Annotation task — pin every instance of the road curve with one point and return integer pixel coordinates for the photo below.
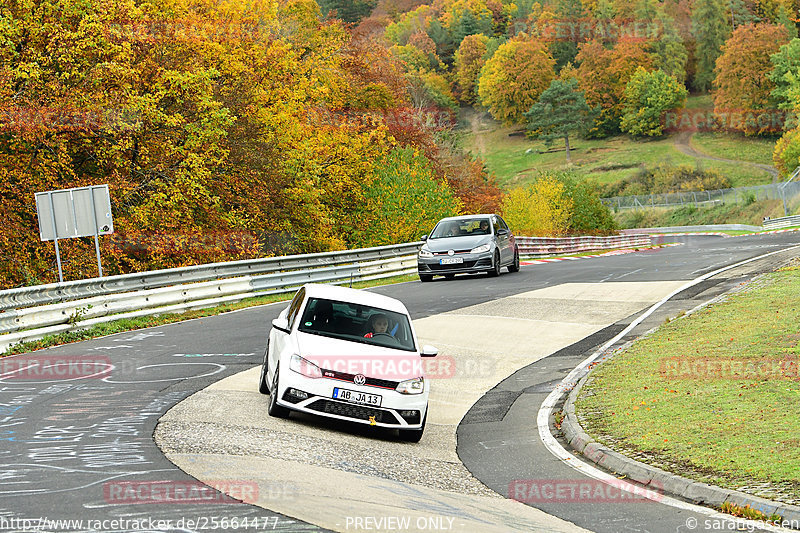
(69, 443)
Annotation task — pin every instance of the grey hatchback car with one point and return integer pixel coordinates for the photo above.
(473, 243)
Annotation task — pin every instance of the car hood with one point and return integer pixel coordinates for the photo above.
(465, 242)
(357, 358)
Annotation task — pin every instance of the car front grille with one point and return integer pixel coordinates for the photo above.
(455, 251)
(371, 382)
(465, 264)
(357, 412)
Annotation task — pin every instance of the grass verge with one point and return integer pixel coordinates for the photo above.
(692, 215)
(713, 396)
(517, 160)
(128, 324)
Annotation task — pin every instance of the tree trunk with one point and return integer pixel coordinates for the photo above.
(566, 144)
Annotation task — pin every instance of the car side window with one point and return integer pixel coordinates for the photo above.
(294, 307)
(502, 223)
(495, 225)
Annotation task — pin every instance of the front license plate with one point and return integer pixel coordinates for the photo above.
(451, 260)
(360, 398)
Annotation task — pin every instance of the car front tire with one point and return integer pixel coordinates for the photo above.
(263, 387)
(495, 271)
(424, 278)
(274, 409)
(514, 267)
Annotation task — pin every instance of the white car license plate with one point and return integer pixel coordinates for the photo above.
(361, 398)
(451, 260)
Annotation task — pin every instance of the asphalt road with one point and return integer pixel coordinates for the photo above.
(81, 447)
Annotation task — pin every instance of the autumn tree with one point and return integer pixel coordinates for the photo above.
(743, 81)
(787, 150)
(669, 49)
(470, 58)
(512, 80)
(351, 11)
(785, 64)
(542, 208)
(711, 29)
(252, 119)
(648, 96)
(560, 111)
(404, 199)
(603, 75)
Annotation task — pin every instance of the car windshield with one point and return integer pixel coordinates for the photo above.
(357, 323)
(461, 227)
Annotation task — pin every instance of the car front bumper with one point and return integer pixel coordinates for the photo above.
(471, 263)
(320, 401)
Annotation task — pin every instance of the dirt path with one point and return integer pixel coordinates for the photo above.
(478, 128)
(683, 145)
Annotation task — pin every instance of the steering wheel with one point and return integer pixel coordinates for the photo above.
(382, 333)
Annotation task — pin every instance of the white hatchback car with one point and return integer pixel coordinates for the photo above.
(347, 354)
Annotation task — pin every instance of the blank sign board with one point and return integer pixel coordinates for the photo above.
(79, 212)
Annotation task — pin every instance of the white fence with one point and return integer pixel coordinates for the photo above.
(540, 246)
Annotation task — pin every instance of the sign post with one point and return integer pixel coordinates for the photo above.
(78, 212)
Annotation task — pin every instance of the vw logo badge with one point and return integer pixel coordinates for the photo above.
(450, 252)
(359, 379)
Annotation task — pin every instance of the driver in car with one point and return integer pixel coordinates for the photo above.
(378, 324)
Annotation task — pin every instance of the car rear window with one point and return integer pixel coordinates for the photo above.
(356, 323)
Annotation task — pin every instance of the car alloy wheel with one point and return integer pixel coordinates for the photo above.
(514, 267)
(274, 409)
(495, 271)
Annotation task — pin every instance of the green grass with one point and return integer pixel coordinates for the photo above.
(734, 146)
(517, 160)
(128, 324)
(752, 214)
(664, 401)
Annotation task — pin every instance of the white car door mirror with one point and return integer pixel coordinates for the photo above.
(429, 351)
(281, 323)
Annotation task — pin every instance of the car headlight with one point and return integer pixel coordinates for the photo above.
(304, 367)
(424, 252)
(411, 386)
(482, 248)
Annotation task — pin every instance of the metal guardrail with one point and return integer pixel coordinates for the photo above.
(29, 313)
(782, 222)
(72, 290)
(538, 246)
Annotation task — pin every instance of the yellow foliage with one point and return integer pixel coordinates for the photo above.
(540, 209)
